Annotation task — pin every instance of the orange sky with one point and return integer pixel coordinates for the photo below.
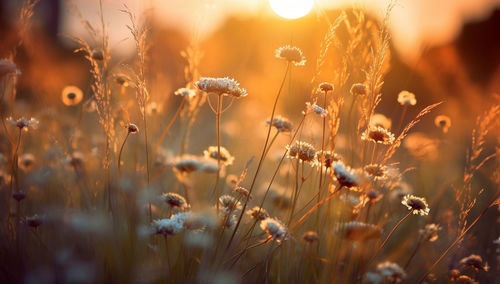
(414, 23)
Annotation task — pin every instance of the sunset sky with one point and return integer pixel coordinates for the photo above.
(415, 23)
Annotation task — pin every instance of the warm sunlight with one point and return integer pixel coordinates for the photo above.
(291, 9)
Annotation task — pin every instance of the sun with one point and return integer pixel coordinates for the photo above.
(291, 9)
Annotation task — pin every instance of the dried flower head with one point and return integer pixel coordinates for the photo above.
(213, 153)
(310, 237)
(243, 192)
(185, 92)
(35, 221)
(417, 205)
(18, 196)
(257, 213)
(132, 128)
(429, 232)
(71, 95)
(326, 87)
(175, 200)
(376, 171)
(229, 203)
(316, 109)
(291, 54)
(359, 89)
(474, 262)
(443, 122)
(167, 227)
(358, 231)
(303, 151)
(27, 161)
(373, 196)
(8, 67)
(380, 120)
(221, 86)
(346, 176)
(406, 98)
(464, 279)
(275, 229)
(391, 271)
(227, 220)
(328, 158)
(23, 123)
(122, 80)
(189, 163)
(378, 135)
(281, 124)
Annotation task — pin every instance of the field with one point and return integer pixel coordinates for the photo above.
(276, 151)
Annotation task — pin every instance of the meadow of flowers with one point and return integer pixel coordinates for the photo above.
(106, 185)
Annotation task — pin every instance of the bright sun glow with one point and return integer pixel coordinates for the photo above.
(291, 9)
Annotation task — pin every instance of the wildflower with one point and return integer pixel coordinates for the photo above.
(190, 163)
(373, 196)
(221, 86)
(376, 171)
(317, 109)
(27, 161)
(391, 271)
(34, 221)
(8, 67)
(132, 128)
(18, 196)
(429, 232)
(310, 236)
(443, 122)
(258, 213)
(303, 151)
(122, 80)
(71, 95)
(199, 222)
(167, 227)
(406, 98)
(345, 175)
(275, 229)
(291, 54)
(213, 153)
(381, 120)
(185, 92)
(358, 231)
(378, 135)
(359, 89)
(175, 200)
(326, 87)
(417, 205)
(475, 262)
(23, 123)
(226, 219)
(229, 203)
(328, 158)
(281, 124)
(243, 192)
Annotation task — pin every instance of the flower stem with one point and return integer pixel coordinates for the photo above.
(120, 155)
(261, 157)
(217, 181)
(388, 236)
(167, 128)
